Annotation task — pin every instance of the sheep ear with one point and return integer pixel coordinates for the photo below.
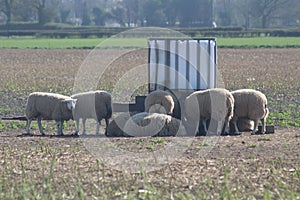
(67, 101)
(70, 100)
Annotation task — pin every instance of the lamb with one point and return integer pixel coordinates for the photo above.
(153, 124)
(251, 104)
(159, 102)
(48, 106)
(215, 105)
(94, 104)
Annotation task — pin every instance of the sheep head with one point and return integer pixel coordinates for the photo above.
(70, 103)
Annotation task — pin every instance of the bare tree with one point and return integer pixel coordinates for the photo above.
(242, 8)
(265, 10)
(222, 12)
(290, 15)
(119, 13)
(6, 7)
(46, 9)
(132, 11)
(40, 5)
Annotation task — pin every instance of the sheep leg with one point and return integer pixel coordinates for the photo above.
(197, 130)
(98, 127)
(255, 127)
(204, 125)
(77, 127)
(263, 126)
(236, 130)
(106, 125)
(39, 121)
(28, 126)
(83, 126)
(225, 128)
(220, 126)
(59, 128)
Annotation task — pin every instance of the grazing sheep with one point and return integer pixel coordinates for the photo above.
(215, 105)
(153, 124)
(95, 105)
(159, 102)
(251, 104)
(116, 126)
(145, 124)
(49, 106)
(243, 124)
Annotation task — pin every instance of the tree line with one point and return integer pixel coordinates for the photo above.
(163, 13)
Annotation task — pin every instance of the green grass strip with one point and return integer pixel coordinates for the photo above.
(70, 43)
(90, 43)
(259, 42)
(47, 43)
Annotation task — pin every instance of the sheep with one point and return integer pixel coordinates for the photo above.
(251, 104)
(243, 124)
(145, 124)
(48, 106)
(116, 126)
(215, 105)
(93, 104)
(159, 101)
(153, 124)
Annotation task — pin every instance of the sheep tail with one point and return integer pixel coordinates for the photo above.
(266, 112)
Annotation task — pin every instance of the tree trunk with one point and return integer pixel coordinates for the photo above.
(8, 4)
(41, 17)
(41, 12)
(264, 21)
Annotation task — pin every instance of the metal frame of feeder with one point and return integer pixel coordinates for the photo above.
(167, 52)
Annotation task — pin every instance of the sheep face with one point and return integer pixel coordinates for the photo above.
(70, 103)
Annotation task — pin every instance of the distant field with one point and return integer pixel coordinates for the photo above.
(90, 43)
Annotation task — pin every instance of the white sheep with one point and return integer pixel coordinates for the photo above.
(116, 126)
(159, 101)
(251, 104)
(215, 105)
(243, 124)
(48, 106)
(153, 124)
(92, 105)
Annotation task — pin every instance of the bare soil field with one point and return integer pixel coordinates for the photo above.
(227, 167)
